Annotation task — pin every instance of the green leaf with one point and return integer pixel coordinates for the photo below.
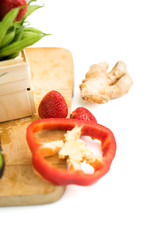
(1, 164)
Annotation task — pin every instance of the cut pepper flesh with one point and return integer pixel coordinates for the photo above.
(73, 175)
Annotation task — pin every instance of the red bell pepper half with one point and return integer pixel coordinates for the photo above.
(69, 176)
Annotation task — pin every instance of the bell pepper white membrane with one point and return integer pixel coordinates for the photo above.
(54, 146)
(76, 150)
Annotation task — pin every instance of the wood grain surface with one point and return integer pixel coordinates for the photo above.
(51, 69)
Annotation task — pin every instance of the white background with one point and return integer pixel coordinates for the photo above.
(125, 203)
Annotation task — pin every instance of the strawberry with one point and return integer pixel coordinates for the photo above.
(82, 113)
(53, 105)
(7, 5)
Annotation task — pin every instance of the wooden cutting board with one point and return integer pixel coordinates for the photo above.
(51, 68)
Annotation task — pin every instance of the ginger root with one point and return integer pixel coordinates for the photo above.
(100, 86)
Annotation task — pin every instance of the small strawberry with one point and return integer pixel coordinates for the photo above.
(7, 5)
(53, 105)
(82, 113)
